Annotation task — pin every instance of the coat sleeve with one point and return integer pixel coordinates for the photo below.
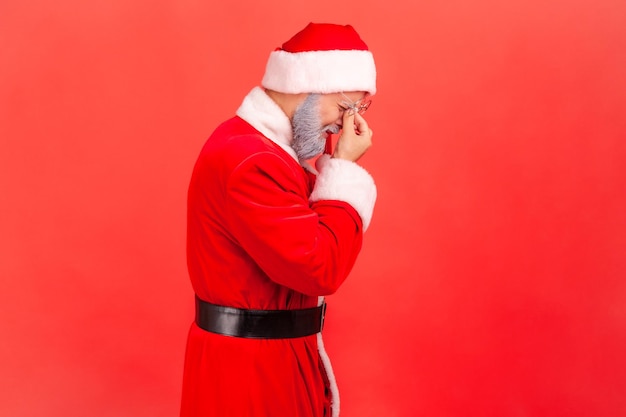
(307, 246)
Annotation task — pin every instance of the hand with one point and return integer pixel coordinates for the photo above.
(355, 139)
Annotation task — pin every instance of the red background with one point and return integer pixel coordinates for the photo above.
(491, 282)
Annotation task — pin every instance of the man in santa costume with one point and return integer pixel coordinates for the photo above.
(269, 235)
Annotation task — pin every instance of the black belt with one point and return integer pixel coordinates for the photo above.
(259, 324)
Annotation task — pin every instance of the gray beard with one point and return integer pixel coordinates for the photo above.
(309, 136)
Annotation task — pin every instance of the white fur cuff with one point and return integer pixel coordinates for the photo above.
(343, 180)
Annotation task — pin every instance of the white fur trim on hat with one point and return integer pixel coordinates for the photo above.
(321, 72)
(343, 180)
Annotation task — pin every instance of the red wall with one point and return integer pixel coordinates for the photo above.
(491, 282)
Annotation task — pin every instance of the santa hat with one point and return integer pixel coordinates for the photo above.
(322, 58)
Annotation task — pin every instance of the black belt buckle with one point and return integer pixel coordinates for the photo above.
(323, 315)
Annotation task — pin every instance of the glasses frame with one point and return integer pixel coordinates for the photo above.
(359, 106)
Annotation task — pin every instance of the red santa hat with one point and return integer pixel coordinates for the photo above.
(322, 58)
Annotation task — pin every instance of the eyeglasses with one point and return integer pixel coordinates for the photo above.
(358, 106)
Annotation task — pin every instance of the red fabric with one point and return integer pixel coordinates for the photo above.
(254, 241)
(325, 37)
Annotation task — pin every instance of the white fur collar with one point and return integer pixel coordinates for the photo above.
(267, 117)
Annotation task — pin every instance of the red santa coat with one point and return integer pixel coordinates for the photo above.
(263, 233)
